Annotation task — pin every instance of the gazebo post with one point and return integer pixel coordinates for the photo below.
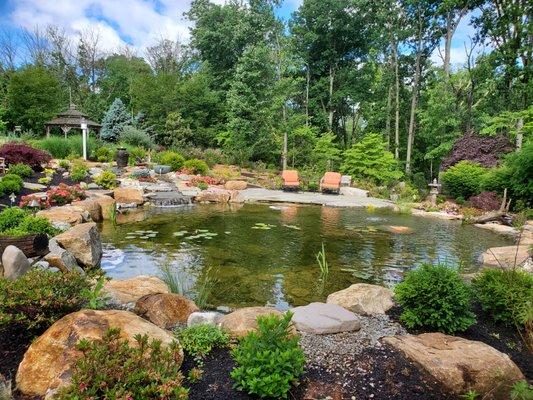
(47, 131)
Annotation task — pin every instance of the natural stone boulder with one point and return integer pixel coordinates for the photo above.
(242, 321)
(235, 185)
(460, 364)
(125, 195)
(498, 228)
(14, 262)
(107, 205)
(92, 207)
(165, 310)
(61, 259)
(321, 318)
(48, 362)
(398, 229)
(83, 242)
(213, 195)
(526, 237)
(505, 256)
(363, 298)
(205, 317)
(68, 214)
(124, 291)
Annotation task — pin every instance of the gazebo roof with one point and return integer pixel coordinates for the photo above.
(72, 118)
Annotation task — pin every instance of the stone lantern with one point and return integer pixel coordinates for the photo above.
(434, 191)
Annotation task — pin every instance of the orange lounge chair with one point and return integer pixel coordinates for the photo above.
(331, 182)
(290, 180)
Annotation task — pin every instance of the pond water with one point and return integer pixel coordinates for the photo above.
(260, 254)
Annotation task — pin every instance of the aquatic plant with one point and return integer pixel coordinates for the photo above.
(204, 289)
(175, 281)
(322, 262)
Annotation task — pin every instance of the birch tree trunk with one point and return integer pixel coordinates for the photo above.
(414, 102)
(331, 79)
(396, 102)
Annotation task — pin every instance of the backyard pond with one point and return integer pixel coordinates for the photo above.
(256, 254)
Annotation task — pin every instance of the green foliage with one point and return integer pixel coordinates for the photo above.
(322, 262)
(10, 218)
(96, 298)
(111, 368)
(177, 131)
(176, 282)
(107, 180)
(326, 154)
(104, 154)
(508, 122)
(40, 297)
(434, 297)
(175, 160)
(268, 361)
(301, 144)
(57, 146)
(505, 294)
(22, 170)
(199, 340)
(79, 171)
(522, 390)
(136, 137)
(464, 179)
(115, 121)
(10, 183)
(202, 186)
(369, 159)
(196, 166)
(137, 154)
(15, 221)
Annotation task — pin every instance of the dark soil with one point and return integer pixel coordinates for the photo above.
(503, 338)
(374, 374)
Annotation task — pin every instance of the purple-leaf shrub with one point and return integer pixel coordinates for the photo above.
(23, 153)
(486, 201)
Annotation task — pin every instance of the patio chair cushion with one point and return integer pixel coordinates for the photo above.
(290, 177)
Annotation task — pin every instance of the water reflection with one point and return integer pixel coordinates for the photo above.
(275, 263)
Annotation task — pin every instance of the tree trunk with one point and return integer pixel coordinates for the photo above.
(448, 44)
(307, 83)
(396, 103)
(519, 134)
(330, 116)
(388, 121)
(414, 102)
(285, 141)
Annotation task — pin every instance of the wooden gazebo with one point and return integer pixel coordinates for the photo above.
(70, 119)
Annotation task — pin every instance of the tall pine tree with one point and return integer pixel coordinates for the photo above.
(115, 120)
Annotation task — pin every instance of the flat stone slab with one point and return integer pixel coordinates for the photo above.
(499, 228)
(506, 256)
(33, 186)
(322, 318)
(436, 214)
(279, 196)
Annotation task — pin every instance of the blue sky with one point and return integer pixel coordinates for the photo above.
(137, 23)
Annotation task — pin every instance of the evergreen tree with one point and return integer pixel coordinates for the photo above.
(115, 120)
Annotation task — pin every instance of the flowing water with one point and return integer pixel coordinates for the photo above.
(260, 254)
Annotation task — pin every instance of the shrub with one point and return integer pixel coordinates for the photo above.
(136, 137)
(111, 368)
(270, 360)
(58, 147)
(22, 153)
(40, 297)
(64, 164)
(10, 183)
(202, 186)
(104, 154)
(64, 194)
(521, 390)
(199, 340)
(137, 154)
(214, 156)
(22, 170)
(434, 297)
(79, 171)
(10, 218)
(175, 160)
(107, 180)
(32, 224)
(486, 201)
(195, 166)
(463, 179)
(369, 159)
(505, 294)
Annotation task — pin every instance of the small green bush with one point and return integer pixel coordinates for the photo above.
(434, 297)
(175, 160)
(22, 170)
(31, 224)
(111, 368)
(104, 154)
(65, 164)
(136, 137)
(137, 155)
(10, 218)
(199, 340)
(202, 186)
(107, 180)
(196, 166)
(79, 171)
(505, 294)
(268, 361)
(39, 298)
(10, 183)
(465, 179)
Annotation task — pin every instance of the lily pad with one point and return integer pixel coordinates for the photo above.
(292, 227)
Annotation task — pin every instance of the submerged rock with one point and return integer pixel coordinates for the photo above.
(363, 298)
(321, 318)
(48, 362)
(165, 310)
(460, 364)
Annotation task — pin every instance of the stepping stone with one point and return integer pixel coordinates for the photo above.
(33, 186)
(322, 318)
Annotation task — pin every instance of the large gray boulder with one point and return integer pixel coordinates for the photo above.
(83, 242)
(322, 318)
(61, 259)
(15, 263)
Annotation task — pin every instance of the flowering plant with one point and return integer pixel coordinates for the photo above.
(26, 200)
(195, 180)
(64, 194)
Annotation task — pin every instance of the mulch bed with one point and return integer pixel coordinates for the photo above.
(374, 374)
(501, 337)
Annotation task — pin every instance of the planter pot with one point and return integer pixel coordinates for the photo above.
(162, 169)
(31, 245)
(122, 157)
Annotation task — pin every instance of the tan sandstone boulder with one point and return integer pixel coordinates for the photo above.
(213, 195)
(107, 205)
(244, 320)
(526, 237)
(124, 291)
(363, 298)
(460, 364)
(83, 242)
(48, 361)
(165, 310)
(127, 195)
(506, 256)
(68, 214)
(235, 185)
(92, 207)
